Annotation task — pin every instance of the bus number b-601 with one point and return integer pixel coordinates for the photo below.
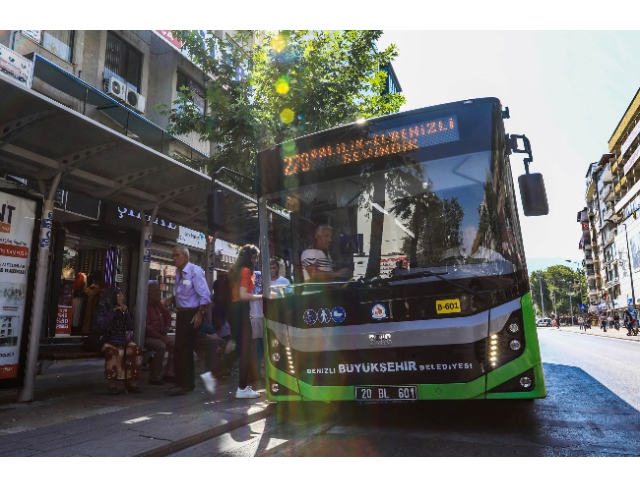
(448, 306)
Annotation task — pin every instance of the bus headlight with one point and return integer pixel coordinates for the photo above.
(275, 357)
(275, 343)
(275, 387)
(515, 345)
(513, 328)
(525, 382)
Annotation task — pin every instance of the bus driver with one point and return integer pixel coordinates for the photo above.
(316, 262)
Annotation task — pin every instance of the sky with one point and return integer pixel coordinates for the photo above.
(566, 90)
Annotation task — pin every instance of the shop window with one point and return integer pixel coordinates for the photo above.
(197, 93)
(123, 61)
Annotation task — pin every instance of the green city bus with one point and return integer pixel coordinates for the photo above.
(401, 242)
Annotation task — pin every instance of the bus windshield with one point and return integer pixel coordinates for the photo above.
(395, 217)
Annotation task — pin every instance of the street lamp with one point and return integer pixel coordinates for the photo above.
(579, 273)
(541, 297)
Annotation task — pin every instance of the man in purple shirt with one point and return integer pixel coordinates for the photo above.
(191, 300)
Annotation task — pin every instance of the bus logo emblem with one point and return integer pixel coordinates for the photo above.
(378, 311)
(338, 314)
(310, 317)
(380, 339)
(324, 315)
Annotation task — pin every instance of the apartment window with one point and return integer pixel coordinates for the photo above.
(59, 42)
(123, 62)
(198, 93)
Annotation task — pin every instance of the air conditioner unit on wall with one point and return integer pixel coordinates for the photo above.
(115, 88)
(135, 100)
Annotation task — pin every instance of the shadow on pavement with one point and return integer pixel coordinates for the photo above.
(579, 417)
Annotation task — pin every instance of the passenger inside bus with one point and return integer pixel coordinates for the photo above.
(316, 261)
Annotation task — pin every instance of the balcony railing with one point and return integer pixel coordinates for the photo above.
(605, 191)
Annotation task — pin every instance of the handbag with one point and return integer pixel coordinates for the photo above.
(94, 341)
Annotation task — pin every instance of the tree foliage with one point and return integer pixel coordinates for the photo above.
(557, 282)
(294, 83)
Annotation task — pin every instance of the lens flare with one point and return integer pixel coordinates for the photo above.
(289, 148)
(287, 116)
(278, 43)
(282, 85)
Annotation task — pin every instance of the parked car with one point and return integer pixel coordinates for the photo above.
(543, 322)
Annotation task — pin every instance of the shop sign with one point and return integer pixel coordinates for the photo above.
(634, 205)
(64, 320)
(16, 67)
(128, 213)
(17, 222)
(127, 217)
(192, 238)
(34, 35)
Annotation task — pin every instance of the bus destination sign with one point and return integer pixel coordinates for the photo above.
(388, 142)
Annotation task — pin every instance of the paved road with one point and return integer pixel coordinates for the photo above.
(591, 410)
(614, 363)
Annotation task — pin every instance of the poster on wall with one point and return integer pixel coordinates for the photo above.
(17, 225)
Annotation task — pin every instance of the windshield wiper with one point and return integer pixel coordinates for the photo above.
(403, 277)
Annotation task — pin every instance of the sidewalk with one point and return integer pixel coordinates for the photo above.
(620, 334)
(72, 415)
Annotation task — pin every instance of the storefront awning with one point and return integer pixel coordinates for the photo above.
(39, 137)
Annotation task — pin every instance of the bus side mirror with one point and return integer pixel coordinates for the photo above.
(216, 211)
(533, 194)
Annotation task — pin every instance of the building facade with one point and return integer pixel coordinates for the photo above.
(613, 201)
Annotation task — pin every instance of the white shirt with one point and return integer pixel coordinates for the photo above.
(280, 284)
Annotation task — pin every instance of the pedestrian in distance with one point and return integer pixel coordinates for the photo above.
(580, 322)
(242, 284)
(191, 301)
(630, 322)
(114, 322)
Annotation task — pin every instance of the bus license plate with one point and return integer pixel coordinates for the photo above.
(448, 306)
(387, 393)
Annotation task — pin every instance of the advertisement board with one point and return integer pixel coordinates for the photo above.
(17, 266)
(15, 67)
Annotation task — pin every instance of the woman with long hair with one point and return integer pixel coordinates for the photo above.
(242, 284)
(113, 321)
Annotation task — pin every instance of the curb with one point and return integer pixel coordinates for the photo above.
(191, 440)
(603, 336)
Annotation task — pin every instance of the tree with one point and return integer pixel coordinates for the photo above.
(559, 281)
(295, 83)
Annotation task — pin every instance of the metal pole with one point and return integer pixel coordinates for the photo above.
(571, 308)
(146, 237)
(42, 264)
(541, 297)
(626, 238)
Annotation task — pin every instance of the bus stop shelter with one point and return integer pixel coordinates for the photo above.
(45, 141)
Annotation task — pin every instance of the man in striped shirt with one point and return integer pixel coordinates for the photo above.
(316, 262)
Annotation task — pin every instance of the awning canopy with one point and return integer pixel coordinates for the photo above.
(39, 137)
(151, 134)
